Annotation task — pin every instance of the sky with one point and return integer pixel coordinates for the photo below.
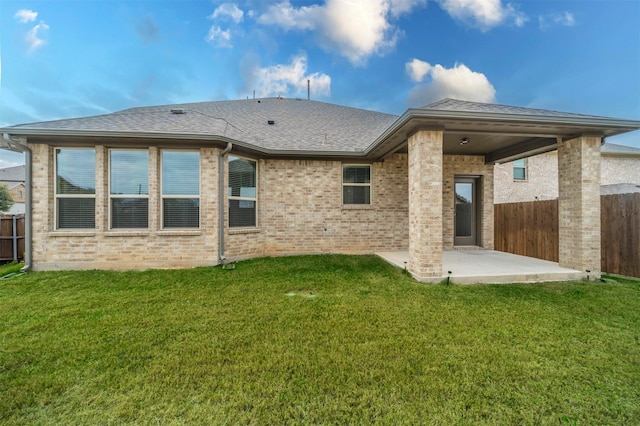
(74, 58)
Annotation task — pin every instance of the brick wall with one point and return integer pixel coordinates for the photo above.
(122, 249)
(579, 204)
(300, 211)
(542, 179)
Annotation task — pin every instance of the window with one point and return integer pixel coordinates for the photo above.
(520, 169)
(180, 189)
(243, 176)
(356, 184)
(19, 194)
(129, 188)
(75, 189)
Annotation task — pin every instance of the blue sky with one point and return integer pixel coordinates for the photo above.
(62, 59)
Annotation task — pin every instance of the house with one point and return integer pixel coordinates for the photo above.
(205, 183)
(13, 177)
(536, 177)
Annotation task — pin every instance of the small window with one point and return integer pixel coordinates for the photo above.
(356, 184)
(180, 189)
(520, 169)
(243, 194)
(19, 194)
(75, 188)
(129, 188)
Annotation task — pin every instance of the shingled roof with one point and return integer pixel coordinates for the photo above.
(269, 123)
(293, 127)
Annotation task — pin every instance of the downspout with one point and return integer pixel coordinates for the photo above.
(221, 198)
(18, 146)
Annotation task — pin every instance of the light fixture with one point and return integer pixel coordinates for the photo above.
(464, 141)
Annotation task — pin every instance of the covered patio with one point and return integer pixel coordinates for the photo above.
(489, 266)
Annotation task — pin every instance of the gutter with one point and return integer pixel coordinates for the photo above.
(19, 146)
(221, 197)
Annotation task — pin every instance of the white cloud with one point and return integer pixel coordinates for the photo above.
(33, 36)
(484, 14)
(458, 82)
(219, 37)
(228, 10)
(290, 79)
(25, 15)
(353, 29)
(565, 19)
(417, 69)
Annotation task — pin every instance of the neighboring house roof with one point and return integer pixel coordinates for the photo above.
(13, 174)
(615, 149)
(619, 188)
(291, 127)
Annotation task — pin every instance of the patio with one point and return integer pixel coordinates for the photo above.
(490, 266)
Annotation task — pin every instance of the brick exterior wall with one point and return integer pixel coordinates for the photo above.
(425, 204)
(460, 165)
(122, 249)
(542, 179)
(579, 204)
(300, 211)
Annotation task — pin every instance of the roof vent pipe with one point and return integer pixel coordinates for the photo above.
(308, 89)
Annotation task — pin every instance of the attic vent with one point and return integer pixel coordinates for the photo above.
(271, 122)
(177, 111)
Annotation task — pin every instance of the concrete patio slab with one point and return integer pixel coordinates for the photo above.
(490, 266)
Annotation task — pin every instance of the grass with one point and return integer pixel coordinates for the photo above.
(314, 339)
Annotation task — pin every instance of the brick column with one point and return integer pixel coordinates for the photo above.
(425, 205)
(579, 204)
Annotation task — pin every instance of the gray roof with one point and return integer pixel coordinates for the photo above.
(615, 149)
(619, 188)
(479, 107)
(279, 126)
(297, 124)
(12, 174)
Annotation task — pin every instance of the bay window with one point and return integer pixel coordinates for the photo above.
(243, 197)
(129, 188)
(75, 188)
(180, 189)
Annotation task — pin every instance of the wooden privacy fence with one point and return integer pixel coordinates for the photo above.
(620, 227)
(11, 238)
(531, 229)
(528, 229)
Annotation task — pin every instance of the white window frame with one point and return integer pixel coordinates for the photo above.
(188, 197)
(240, 198)
(357, 184)
(112, 196)
(523, 167)
(57, 196)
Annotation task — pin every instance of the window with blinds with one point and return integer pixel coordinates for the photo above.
(75, 188)
(520, 169)
(129, 188)
(356, 184)
(243, 197)
(180, 189)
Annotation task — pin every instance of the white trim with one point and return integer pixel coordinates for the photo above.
(187, 196)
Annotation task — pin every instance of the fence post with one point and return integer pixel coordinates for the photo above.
(15, 238)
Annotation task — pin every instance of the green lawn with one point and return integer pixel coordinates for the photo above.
(314, 339)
